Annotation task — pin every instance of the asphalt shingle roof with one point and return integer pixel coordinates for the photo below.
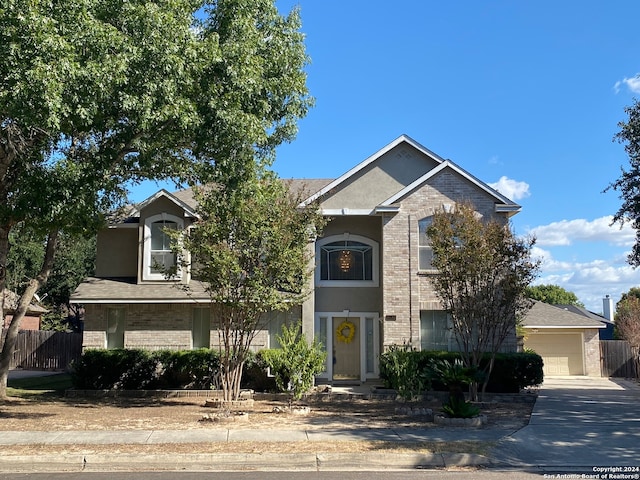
(543, 315)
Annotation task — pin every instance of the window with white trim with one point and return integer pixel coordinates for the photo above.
(347, 260)
(159, 259)
(424, 245)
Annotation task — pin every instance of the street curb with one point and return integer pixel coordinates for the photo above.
(229, 462)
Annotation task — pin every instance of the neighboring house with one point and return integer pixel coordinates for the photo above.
(568, 342)
(373, 265)
(605, 333)
(31, 321)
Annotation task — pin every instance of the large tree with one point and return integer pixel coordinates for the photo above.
(553, 295)
(251, 248)
(483, 273)
(96, 95)
(628, 184)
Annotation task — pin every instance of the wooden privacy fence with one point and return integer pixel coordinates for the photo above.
(618, 359)
(40, 350)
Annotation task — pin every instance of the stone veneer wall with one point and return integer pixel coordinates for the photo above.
(406, 289)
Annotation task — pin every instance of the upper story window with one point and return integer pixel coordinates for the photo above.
(159, 259)
(424, 245)
(347, 260)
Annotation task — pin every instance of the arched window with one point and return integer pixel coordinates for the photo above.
(158, 258)
(348, 260)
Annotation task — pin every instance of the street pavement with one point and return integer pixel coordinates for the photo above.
(578, 423)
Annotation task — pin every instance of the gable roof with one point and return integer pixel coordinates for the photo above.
(542, 316)
(189, 210)
(507, 205)
(503, 204)
(365, 163)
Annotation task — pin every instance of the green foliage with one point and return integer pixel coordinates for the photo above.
(139, 369)
(98, 95)
(24, 259)
(453, 373)
(627, 322)
(457, 408)
(628, 184)
(553, 295)
(250, 247)
(191, 369)
(296, 363)
(114, 369)
(402, 370)
(511, 372)
(483, 273)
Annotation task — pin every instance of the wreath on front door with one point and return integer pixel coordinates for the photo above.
(345, 332)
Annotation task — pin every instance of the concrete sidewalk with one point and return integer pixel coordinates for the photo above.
(319, 461)
(155, 437)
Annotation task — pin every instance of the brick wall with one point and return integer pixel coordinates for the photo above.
(592, 353)
(148, 326)
(152, 327)
(406, 290)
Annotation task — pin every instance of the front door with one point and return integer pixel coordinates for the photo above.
(346, 348)
(352, 345)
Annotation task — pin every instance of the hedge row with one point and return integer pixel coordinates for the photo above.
(132, 369)
(199, 369)
(511, 371)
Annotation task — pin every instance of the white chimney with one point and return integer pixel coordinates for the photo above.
(607, 307)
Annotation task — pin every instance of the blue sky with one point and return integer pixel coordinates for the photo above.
(524, 95)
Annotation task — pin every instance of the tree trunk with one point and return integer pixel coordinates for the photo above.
(473, 391)
(23, 305)
(4, 254)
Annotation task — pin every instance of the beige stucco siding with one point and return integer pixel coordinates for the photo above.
(118, 252)
(356, 299)
(161, 205)
(380, 180)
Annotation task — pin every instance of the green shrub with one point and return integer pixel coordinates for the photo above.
(256, 376)
(296, 363)
(456, 408)
(190, 369)
(109, 369)
(403, 370)
(134, 369)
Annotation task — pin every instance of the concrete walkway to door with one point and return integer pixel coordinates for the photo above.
(578, 423)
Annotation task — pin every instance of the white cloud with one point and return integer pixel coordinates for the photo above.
(632, 84)
(566, 232)
(511, 188)
(590, 280)
(606, 272)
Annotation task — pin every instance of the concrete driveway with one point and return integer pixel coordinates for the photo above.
(578, 423)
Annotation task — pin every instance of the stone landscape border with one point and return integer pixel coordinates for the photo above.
(328, 396)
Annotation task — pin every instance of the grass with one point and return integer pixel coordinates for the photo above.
(47, 386)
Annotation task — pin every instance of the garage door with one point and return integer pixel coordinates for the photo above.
(561, 353)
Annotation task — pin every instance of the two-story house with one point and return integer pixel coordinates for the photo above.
(373, 265)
